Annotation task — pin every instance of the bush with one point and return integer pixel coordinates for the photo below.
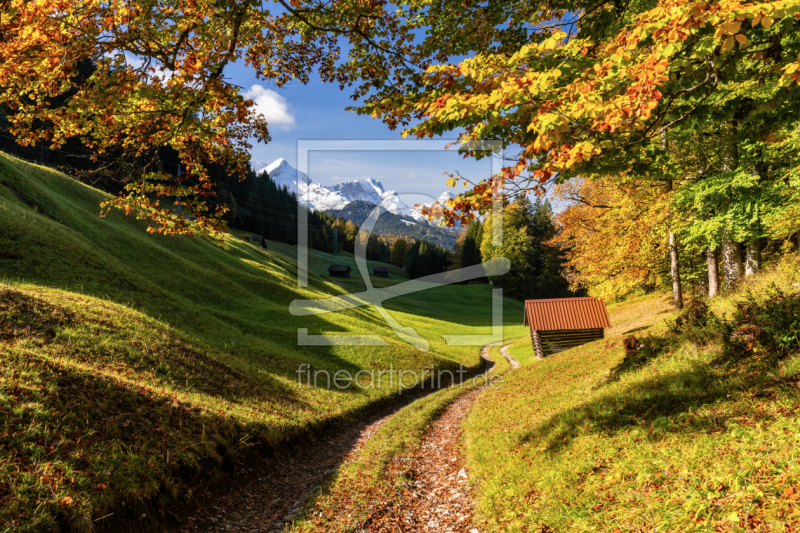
(768, 328)
(695, 315)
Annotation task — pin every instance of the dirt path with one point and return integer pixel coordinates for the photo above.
(433, 495)
(513, 362)
(265, 496)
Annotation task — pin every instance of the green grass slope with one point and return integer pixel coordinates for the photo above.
(133, 365)
(695, 431)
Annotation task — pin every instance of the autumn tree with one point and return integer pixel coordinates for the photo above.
(348, 232)
(158, 80)
(614, 238)
(593, 88)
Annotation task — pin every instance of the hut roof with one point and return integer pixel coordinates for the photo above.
(566, 313)
(380, 269)
(339, 268)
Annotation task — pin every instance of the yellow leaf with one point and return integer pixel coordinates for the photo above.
(767, 21)
(727, 46)
(731, 27)
(741, 39)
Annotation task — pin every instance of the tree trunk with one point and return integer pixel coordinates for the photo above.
(752, 261)
(729, 158)
(731, 261)
(677, 295)
(713, 272)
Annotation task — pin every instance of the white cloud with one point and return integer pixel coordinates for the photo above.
(272, 105)
(137, 62)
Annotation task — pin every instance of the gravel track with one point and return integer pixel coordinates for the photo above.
(264, 496)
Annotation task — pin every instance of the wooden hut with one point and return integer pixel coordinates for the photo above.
(381, 272)
(339, 271)
(563, 323)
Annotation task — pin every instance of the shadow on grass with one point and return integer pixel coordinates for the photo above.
(638, 353)
(659, 405)
(82, 443)
(96, 337)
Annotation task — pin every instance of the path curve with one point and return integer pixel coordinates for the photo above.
(264, 496)
(504, 352)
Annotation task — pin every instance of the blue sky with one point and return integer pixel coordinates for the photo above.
(317, 112)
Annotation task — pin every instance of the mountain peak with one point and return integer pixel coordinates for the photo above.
(327, 198)
(375, 183)
(279, 164)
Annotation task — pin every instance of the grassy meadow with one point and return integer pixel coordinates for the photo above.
(694, 431)
(134, 367)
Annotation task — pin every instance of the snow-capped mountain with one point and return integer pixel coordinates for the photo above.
(324, 198)
(258, 166)
(281, 173)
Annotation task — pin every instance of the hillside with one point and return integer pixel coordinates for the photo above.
(397, 225)
(694, 429)
(135, 366)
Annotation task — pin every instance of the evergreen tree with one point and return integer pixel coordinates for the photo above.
(534, 270)
(399, 252)
(471, 249)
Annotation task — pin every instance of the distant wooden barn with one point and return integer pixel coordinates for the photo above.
(340, 271)
(381, 272)
(563, 323)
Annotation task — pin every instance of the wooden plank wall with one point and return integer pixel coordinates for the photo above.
(537, 344)
(549, 342)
